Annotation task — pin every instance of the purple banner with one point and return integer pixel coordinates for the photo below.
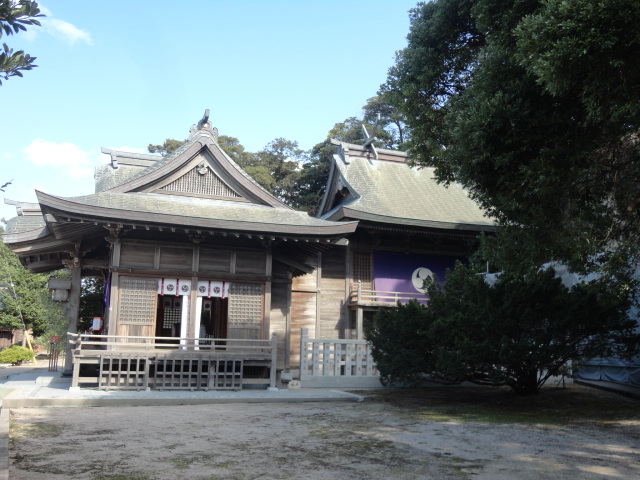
(399, 272)
(106, 295)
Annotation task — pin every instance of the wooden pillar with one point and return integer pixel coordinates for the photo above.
(114, 301)
(274, 361)
(348, 282)
(73, 310)
(359, 324)
(318, 273)
(195, 303)
(287, 335)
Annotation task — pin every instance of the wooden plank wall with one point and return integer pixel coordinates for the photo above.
(137, 256)
(166, 257)
(281, 311)
(333, 283)
(304, 294)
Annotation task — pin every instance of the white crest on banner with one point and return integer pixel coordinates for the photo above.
(213, 288)
(184, 286)
(418, 278)
(174, 286)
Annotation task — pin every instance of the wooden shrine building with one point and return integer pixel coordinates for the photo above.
(212, 282)
(193, 249)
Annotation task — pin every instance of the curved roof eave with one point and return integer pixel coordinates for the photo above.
(345, 212)
(104, 214)
(28, 236)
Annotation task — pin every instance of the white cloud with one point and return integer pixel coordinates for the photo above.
(30, 35)
(67, 157)
(54, 154)
(44, 10)
(67, 31)
(131, 149)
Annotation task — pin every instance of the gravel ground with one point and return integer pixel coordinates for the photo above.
(369, 440)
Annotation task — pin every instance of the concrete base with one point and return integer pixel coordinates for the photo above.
(320, 381)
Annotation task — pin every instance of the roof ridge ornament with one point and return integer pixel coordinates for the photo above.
(343, 151)
(205, 126)
(204, 121)
(368, 143)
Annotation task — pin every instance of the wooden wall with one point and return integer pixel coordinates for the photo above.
(332, 294)
(318, 299)
(315, 301)
(280, 321)
(167, 257)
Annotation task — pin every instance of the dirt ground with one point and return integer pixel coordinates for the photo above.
(381, 438)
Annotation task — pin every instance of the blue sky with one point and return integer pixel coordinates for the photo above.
(123, 74)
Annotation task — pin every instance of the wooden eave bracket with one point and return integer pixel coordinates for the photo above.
(292, 263)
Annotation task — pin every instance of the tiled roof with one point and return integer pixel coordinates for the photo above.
(107, 177)
(187, 211)
(24, 223)
(406, 195)
(162, 160)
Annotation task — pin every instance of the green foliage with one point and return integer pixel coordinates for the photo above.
(400, 343)
(311, 180)
(275, 167)
(587, 47)
(169, 146)
(15, 354)
(24, 297)
(15, 16)
(232, 147)
(91, 301)
(517, 332)
(392, 130)
(533, 106)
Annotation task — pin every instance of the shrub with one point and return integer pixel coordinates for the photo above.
(517, 332)
(15, 354)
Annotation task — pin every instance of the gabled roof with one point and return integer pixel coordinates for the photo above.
(389, 191)
(196, 190)
(198, 168)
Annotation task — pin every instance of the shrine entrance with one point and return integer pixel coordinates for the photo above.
(172, 317)
(213, 318)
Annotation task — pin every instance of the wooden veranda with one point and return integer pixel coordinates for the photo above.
(170, 363)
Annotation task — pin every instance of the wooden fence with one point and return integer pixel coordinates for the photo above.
(361, 296)
(336, 363)
(170, 363)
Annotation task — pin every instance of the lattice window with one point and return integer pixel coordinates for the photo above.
(245, 310)
(138, 297)
(171, 317)
(362, 269)
(207, 183)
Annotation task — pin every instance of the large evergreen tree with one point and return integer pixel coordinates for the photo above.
(534, 106)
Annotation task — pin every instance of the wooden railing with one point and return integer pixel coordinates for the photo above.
(360, 296)
(336, 363)
(136, 362)
(84, 343)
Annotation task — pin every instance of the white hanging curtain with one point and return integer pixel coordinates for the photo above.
(213, 288)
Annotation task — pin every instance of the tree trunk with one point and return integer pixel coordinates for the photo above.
(526, 383)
